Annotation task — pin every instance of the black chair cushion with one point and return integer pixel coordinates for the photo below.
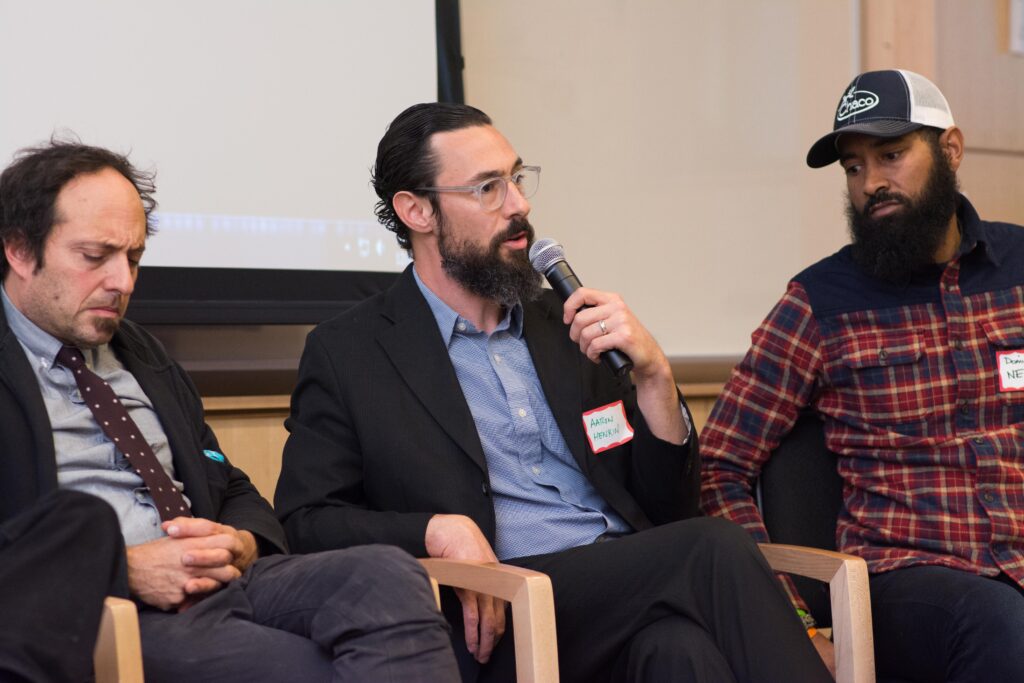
(801, 496)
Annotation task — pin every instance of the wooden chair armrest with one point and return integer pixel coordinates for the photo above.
(117, 657)
(847, 577)
(533, 609)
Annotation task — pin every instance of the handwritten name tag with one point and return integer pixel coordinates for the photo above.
(1011, 370)
(607, 427)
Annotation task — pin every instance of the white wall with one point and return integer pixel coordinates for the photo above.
(672, 134)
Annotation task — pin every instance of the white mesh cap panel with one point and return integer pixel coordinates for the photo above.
(928, 106)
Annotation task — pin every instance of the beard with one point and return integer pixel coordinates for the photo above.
(892, 248)
(483, 270)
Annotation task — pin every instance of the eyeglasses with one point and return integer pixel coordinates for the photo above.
(491, 193)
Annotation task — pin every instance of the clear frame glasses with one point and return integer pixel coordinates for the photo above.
(491, 193)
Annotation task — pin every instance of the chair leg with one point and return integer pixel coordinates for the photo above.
(118, 654)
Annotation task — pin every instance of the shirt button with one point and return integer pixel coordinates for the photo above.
(989, 498)
(497, 358)
(979, 439)
(958, 344)
(883, 354)
(461, 327)
(536, 470)
(522, 412)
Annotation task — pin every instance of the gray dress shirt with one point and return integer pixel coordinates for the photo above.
(87, 460)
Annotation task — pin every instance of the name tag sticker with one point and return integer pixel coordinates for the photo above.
(607, 427)
(1011, 370)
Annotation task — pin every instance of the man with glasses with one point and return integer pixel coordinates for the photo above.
(460, 414)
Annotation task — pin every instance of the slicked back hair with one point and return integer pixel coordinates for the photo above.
(405, 160)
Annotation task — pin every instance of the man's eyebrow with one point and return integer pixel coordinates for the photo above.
(104, 246)
(487, 175)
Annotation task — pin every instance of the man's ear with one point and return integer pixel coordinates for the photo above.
(20, 257)
(951, 142)
(415, 211)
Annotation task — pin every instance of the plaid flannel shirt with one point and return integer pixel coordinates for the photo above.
(907, 380)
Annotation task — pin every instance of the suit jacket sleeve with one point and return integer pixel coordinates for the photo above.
(666, 477)
(321, 495)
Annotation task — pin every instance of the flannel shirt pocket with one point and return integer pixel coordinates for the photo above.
(877, 372)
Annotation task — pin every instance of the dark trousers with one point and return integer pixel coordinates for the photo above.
(940, 624)
(58, 560)
(689, 601)
(361, 614)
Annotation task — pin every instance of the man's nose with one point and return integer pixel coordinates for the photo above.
(874, 179)
(515, 203)
(121, 275)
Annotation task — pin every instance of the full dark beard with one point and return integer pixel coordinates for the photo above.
(483, 271)
(892, 248)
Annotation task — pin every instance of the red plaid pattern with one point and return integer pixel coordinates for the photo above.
(933, 451)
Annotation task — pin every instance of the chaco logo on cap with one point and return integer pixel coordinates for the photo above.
(856, 102)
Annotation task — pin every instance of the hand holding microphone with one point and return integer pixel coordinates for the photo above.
(548, 259)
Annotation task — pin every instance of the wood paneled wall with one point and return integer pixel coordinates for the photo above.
(252, 434)
(964, 48)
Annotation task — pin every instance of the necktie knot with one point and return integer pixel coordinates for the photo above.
(70, 357)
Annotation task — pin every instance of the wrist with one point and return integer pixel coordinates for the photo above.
(656, 372)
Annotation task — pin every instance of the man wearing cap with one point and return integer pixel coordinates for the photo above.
(909, 345)
(464, 413)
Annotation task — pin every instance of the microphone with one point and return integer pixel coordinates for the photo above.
(548, 258)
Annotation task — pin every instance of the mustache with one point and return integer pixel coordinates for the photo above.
(515, 227)
(884, 196)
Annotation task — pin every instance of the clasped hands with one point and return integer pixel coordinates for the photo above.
(196, 558)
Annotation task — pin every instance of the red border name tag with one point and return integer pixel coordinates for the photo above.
(1010, 365)
(607, 427)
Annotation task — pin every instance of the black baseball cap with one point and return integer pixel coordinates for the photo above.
(886, 104)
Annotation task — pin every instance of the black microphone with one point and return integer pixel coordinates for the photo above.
(548, 259)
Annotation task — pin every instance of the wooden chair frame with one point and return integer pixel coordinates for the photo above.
(118, 654)
(117, 657)
(850, 598)
(533, 609)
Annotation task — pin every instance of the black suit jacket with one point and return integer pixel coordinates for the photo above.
(28, 469)
(382, 438)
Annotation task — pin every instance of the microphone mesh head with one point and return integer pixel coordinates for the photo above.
(545, 253)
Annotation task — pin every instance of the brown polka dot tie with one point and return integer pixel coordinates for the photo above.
(120, 428)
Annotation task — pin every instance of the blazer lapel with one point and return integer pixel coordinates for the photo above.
(153, 376)
(556, 359)
(415, 347)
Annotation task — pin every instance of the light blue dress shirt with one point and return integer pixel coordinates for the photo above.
(86, 459)
(542, 501)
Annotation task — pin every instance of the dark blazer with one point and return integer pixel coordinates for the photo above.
(28, 470)
(382, 437)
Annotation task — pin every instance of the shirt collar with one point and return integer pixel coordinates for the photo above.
(39, 343)
(449, 322)
(973, 238)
